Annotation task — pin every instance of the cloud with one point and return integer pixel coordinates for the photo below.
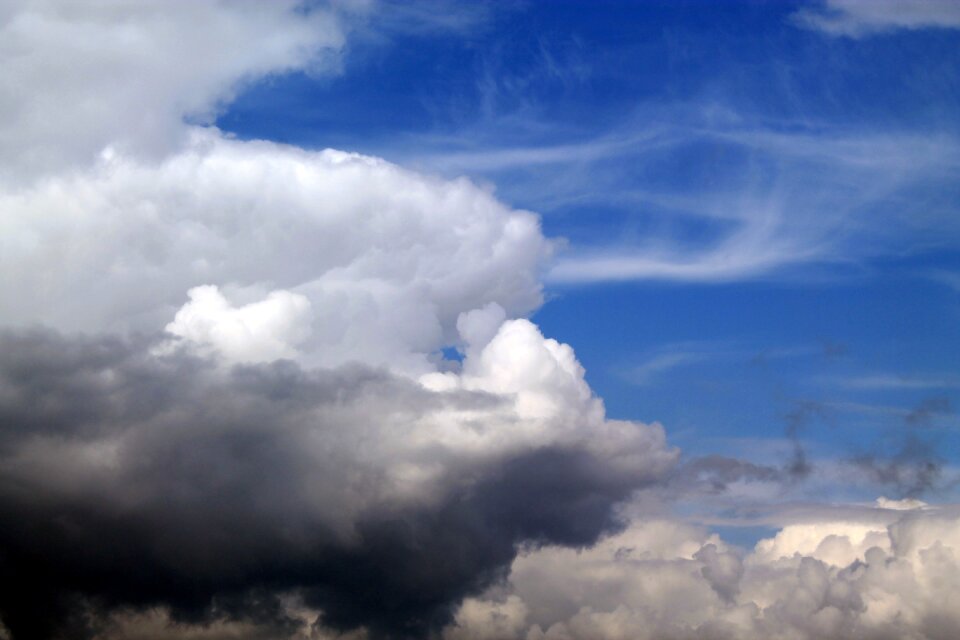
(257, 332)
(386, 258)
(797, 419)
(880, 573)
(256, 420)
(386, 18)
(788, 196)
(740, 258)
(912, 470)
(713, 474)
(914, 465)
(859, 18)
(927, 410)
(644, 373)
(885, 381)
(131, 480)
(668, 357)
(128, 74)
(945, 277)
(113, 215)
(767, 221)
(224, 409)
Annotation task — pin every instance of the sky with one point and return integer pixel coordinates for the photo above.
(366, 319)
(758, 200)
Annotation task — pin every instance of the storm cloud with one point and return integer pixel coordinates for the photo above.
(257, 419)
(135, 480)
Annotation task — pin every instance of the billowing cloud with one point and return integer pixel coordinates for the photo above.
(386, 258)
(131, 480)
(884, 573)
(259, 331)
(259, 413)
(123, 216)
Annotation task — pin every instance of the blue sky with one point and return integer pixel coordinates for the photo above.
(758, 200)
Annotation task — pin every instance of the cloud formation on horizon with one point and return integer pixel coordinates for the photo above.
(888, 572)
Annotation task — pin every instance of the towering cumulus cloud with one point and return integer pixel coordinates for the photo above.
(223, 403)
(262, 251)
(225, 411)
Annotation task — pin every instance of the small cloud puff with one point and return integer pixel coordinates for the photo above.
(261, 331)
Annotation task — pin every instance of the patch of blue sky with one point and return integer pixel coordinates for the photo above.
(760, 199)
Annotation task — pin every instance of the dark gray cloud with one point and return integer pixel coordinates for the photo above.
(802, 413)
(911, 472)
(928, 409)
(910, 462)
(131, 480)
(713, 474)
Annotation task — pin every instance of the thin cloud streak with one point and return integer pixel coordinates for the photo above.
(886, 381)
(789, 196)
(860, 18)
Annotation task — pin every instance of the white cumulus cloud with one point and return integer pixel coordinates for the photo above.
(881, 574)
(387, 258)
(260, 331)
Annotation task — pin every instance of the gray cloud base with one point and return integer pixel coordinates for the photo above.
(131, 480)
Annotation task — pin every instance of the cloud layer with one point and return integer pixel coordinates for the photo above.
(878, 573)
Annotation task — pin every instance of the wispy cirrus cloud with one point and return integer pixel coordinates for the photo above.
(945, 277)
(645, 373)
(858, 18)
(669, 357)
(742, 202)
(889, 381)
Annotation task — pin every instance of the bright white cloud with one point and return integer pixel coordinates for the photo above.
(758, 249)
(260, 331)
(78, 78)
(549, 403)
(387, 258)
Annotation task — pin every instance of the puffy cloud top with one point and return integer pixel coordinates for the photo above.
(868, 575)
(387, 259)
